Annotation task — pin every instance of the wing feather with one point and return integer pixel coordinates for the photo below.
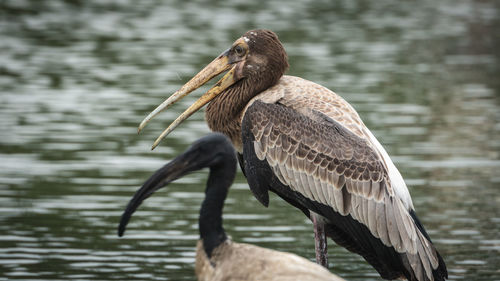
(309, 191)
(331, 197)
(425, 262)
(375, 190)
(366, 189)
(382, 229)
(339, 200)
(364, 209)
(392, 228)
(372, 217)
(429, 251)
(406, 242)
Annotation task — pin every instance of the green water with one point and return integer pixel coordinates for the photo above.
(77, 77)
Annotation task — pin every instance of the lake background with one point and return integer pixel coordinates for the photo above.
(77, 77)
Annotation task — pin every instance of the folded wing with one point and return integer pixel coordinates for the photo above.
(324, 167)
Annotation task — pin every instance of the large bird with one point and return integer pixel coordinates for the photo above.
(217, 257)
(309, 146)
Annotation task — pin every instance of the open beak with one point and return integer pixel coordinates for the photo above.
(216, 67)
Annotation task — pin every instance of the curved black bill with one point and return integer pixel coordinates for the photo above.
(159, 179)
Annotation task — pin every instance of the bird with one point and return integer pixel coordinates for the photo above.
(308, 145)
(217, 256)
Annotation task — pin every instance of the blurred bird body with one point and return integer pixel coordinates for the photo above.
(252, 263)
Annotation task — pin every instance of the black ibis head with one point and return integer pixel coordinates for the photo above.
(214, 151)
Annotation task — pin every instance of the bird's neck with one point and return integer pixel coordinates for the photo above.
(224, 112)
(210, 223)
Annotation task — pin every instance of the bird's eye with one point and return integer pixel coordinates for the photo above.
(239, 50)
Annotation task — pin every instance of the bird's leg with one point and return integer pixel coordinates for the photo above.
(320, 240)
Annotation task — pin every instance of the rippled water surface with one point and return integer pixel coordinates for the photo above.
(76, 78)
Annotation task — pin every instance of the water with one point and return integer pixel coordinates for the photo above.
(76, 78)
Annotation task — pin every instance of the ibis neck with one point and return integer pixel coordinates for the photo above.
(210, 223)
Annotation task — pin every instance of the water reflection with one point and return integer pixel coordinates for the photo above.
(76, 77)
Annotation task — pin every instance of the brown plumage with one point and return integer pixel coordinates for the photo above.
(308, 145)
(217, 257)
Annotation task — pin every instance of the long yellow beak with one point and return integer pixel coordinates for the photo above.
(216, 67)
